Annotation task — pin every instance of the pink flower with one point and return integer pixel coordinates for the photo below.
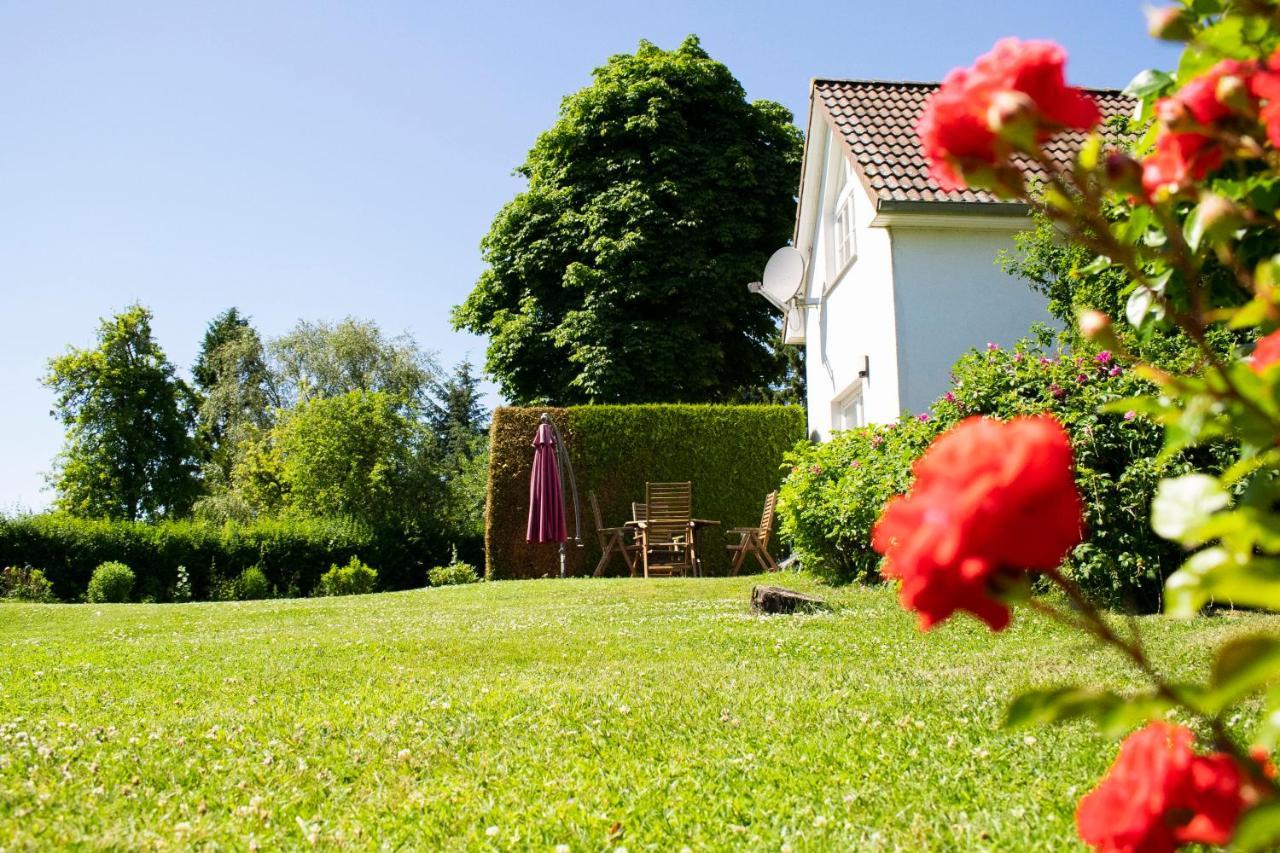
(1082, 379)
(1130, 415)
(855, 464)
(815, 470)
(1057, 391)
(1115, 371)
(1017, 356)
(1103, 357)
(949, 397)
(923, 417)
(992, 347)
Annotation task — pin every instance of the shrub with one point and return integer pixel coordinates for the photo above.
(111, 583)
(455, 573)
(835, 491)
(292, 553)
(252, 585)
(732, 454)
(26, 584)
(355, 578)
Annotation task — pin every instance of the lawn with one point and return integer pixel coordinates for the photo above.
(532, 714)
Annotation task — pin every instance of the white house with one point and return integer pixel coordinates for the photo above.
(899, 277)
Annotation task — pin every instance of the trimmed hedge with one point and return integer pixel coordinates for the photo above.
(292, 554)
(732, 454)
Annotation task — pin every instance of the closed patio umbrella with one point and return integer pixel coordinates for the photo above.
(546, 492)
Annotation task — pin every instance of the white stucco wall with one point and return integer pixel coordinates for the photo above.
(854, 326)
(923, 288)
(949, 297)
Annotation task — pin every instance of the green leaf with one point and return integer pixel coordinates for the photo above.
(1215, 574)
(1114, 714)
(1183, 504)
(1139, 306)
(1152, 81)
(1243, 666)
(1259, 829)
(1268, 731)
(1097, 265)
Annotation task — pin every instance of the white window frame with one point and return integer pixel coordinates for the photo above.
(849, 409)
(841, 223)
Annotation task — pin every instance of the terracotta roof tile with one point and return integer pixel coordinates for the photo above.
(877, 121)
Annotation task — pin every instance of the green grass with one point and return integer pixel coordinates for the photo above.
(592, 713)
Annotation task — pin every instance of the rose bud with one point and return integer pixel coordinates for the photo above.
(1174, 114)
(1232, 92)
(1218, 216)
(1013, 116)
(1124, 174)
(1169, 23)
(1096, 326)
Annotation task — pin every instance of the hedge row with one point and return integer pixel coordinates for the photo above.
(292, 553)
(732, 455)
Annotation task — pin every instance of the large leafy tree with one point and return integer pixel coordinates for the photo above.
(620, 274)
(320, 360)
(129, 450)
(237, 390)
(355, 454)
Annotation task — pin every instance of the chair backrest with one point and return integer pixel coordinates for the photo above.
(595, 511)
(766, 517)
(669, 508)
(639, 511)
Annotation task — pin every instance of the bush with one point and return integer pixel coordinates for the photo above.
(111, 583)
(252, 585)
(454, 573)
(26, 584)
(292, 553)
(355, 578)
(835, 491)
(732, 454)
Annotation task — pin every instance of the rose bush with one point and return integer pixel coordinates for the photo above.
(834, 491)
(1193, 228)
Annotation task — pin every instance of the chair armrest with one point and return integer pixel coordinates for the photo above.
(751, 530)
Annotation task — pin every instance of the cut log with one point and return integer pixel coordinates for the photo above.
(775, 599)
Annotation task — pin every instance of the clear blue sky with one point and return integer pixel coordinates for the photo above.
(314, 160)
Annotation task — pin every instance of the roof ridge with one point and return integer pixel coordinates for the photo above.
(874, 81)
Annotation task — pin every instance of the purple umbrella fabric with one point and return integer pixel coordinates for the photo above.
(546, 499)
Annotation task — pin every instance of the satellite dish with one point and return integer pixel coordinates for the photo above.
(783, 276)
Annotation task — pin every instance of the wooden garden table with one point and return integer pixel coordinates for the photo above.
(696, 525)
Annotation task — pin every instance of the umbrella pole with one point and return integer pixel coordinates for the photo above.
(562, 560)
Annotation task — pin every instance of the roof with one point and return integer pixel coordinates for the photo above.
(877, 120)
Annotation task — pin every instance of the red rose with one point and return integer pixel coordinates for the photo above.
(990, 498)
(955, 128)
(1179, 159)
(1184, 154)
(1159, 794)
(1266, 352)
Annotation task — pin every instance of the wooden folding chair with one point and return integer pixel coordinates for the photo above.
(639, 511)
(613, 540)
(667, 544)
(755, 540)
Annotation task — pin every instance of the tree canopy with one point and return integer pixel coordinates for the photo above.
(129, 451)
(620, 274)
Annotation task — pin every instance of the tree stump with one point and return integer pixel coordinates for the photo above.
(775, 599)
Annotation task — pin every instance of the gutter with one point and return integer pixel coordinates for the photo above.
(964, 215)
(961, 208)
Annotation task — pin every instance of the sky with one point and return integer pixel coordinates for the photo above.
(318, 160)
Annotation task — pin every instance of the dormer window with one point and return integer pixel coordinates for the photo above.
(844, 245)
